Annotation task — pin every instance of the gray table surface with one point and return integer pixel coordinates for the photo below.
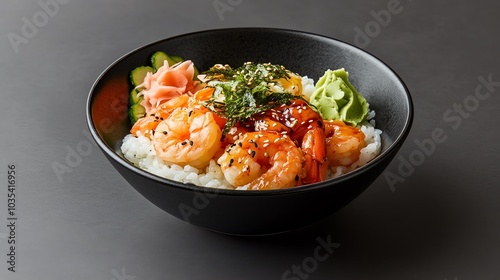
(438, 220)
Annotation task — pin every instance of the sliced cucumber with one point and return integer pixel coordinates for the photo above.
(136, 112)
(138, 74)
(175, 59)
(134, 98)
(158, 58)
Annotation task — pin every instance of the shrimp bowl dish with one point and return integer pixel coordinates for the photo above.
(249, 131)
(256, 127)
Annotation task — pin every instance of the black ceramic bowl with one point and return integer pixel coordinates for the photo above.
(253, 212)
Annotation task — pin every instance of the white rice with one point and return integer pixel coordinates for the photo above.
(139, 150)
(307, 86)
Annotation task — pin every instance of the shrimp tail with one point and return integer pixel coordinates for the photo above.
(314, 148)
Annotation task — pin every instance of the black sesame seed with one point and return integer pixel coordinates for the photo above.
(231, 162)
(183, 143)
(165, 132)
(253, 154)
(190, 113)
(191, 142)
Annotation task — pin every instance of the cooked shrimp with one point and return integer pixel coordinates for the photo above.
(314, 149)
(262, 160)
(305, 126)
(147, 124)
(197, 100)
(187, 136)
(343, 143)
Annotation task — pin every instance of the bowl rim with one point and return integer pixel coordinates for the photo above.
(228, 192)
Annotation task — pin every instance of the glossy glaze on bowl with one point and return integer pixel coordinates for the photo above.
(254, 212)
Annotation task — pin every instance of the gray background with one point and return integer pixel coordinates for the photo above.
(440, 223)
